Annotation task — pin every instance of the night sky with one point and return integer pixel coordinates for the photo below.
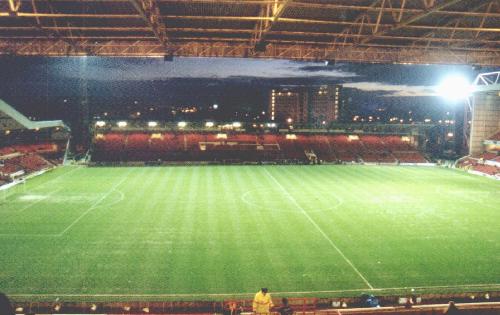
(51, 88)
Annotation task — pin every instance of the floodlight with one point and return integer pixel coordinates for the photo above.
(289, 120)
(152, 124)
(122, 124)
(455, 88)
(236, 124)
(209, 124)
(181, 124)
(215, 106)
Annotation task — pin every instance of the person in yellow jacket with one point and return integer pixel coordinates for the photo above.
(262, 303)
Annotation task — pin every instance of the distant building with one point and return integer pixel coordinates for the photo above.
(305, 106)
(289, 105)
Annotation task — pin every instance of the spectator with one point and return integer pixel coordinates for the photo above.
(5, 306)
(451, 309)
(262, 303)
(285, 309)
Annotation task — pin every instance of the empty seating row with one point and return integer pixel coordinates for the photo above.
(194, 146)
(27, 163)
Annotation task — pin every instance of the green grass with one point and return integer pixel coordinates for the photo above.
(192, 231)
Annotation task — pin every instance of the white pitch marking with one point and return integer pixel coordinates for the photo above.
(37, 201)
(487, 286)
(92, 207)
(290, 197)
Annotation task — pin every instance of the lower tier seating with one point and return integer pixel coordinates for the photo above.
(193, 146)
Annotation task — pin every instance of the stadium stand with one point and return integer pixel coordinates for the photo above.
(245, 147)
(21, 163)
(28, 146)
(495, 137)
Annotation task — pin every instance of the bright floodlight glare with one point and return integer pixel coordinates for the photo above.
(152, 124)
(455, 88)
(182, 124)
(100, 123)
(209, 124)
(122, 124)
(236, 124)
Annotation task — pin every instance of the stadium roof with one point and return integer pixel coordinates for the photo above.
(386, 31)
(11, 119)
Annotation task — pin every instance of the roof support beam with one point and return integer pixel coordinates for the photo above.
(150, 13)
(429, 10)
(14, 6)
(453, 25)
(273, 13)
(54, 32)
(197, 48)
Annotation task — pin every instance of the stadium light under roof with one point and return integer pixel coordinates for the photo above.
(209, 124)
(100, 123)
(181, 124)
(236, 124)
(152, 124)
(122, 124)
(455, 88)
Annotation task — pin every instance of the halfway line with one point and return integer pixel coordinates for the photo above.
(290, 197)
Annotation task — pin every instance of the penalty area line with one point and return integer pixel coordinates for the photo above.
(326, 237)
(459, 286)
(93, 206)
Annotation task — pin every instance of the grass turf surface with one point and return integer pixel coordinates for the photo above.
(199, 230)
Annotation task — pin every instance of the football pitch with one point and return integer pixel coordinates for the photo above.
(216, 232)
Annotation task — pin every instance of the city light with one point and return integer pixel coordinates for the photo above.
(181, 124)
(122, 124)
(100, 123)
(455, 88)
(271, 125)
(209, 124)
(236, 124)
(215, 106)
(289, 120)
(152, 124)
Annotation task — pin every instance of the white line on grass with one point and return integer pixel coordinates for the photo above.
(35, 202)
(292, 199)
(460, 286)
(93, 206)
